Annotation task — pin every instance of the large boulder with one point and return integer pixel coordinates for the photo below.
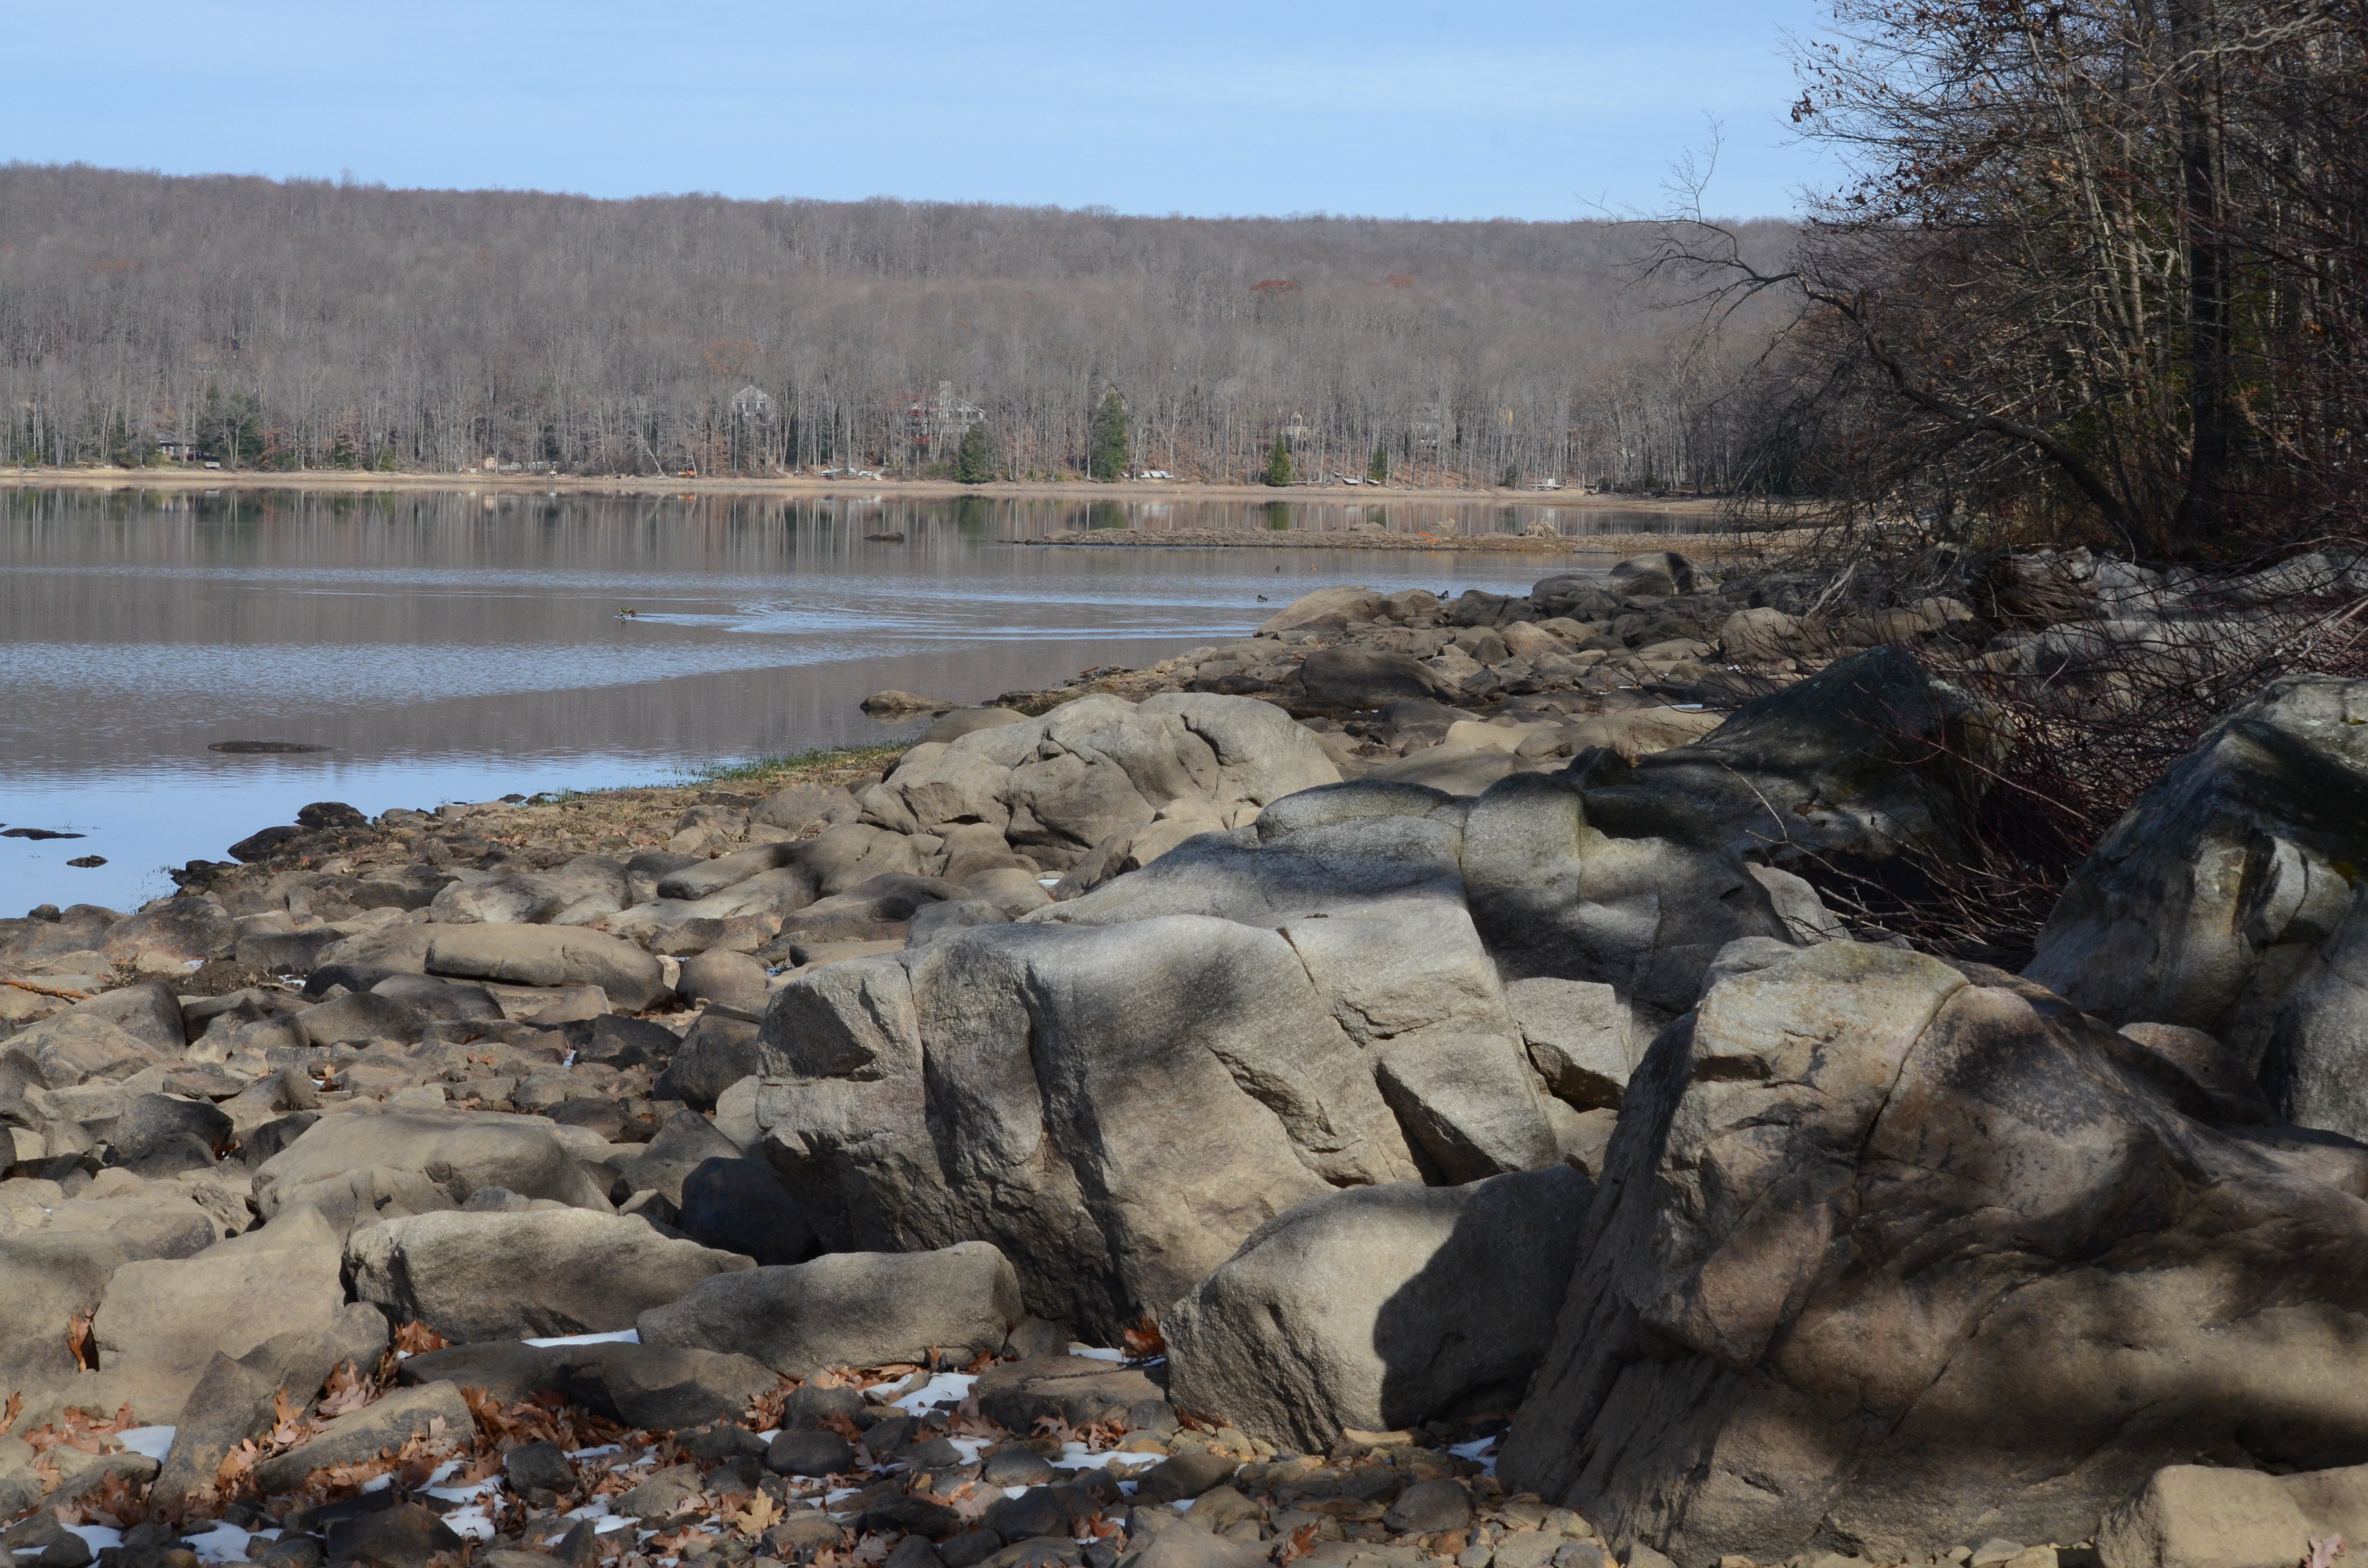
(1380, 1308)
(163, 1319)
(51, 1277)
(1867, 758)
(1115, 1108)
(848, 1309)
(2223, 901)
(514, 1275)
(1616, 884)
(448, 1154)
(1902, 1254)
(113, 1035)
(175, 930)
(547, 955)
(1057, 786)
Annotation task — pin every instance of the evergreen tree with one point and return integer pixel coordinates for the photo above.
(1106, 446)
(1377, 470)
(1277, 462)
(974, 458)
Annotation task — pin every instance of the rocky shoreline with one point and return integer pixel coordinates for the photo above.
(1385, 1091)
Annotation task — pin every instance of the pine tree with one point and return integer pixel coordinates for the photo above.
(974, 458)
(1277, 462)
(1377, 470)
(1106, 446)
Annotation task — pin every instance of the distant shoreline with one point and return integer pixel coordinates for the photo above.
(357, 481)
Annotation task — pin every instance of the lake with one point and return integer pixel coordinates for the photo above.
(451, 646)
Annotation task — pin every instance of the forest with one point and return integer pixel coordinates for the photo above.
(309, 324)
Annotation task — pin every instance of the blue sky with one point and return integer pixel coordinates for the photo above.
(1479, 108)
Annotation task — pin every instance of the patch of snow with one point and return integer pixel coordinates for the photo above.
(1183, 1503)
(622, 1337)
(154, 1442)
(224, 1543)
(377, 1483)
(1015, 1492)
(596, 1510)
(442, 1473)
(485, 1488)
(1075, 1456)
(1128, 1488)
(970, 1448)
(839, 1495)
(1096, 1352)
(594, 1451)
(607, 1522)
(945, 1388)
(1475, 1450)
(477, 1523)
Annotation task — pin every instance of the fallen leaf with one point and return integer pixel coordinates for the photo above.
(761, 1514)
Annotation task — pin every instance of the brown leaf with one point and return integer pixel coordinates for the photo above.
(349, 1392)
(418, 1339)
(761, 1514)
(79, 1343)
(8, 1413)
(1145, 1341)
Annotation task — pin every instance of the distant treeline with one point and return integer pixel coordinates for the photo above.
(307, 324)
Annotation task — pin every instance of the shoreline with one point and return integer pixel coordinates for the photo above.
(801, 485)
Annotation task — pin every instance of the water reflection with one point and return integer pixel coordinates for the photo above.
(452, 645)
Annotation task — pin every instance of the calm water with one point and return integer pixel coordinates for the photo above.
(452, 646)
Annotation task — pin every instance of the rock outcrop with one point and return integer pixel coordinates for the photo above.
(1894, 1254)
(2223, 900)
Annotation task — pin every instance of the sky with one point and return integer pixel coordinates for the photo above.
(1479, 108)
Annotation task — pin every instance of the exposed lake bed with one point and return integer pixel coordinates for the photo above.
(166, 650)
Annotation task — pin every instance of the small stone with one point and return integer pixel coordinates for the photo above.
(1426, 1509)
(392, 1538)
(915, 1552)
(1475, 1557)
(539, 1467)
(1014, 1466)
(813, 1453)
(1993, 1551)
(1186, 1475)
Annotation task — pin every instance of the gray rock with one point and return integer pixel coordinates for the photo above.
(848, 1309)
(663, 1493)
(738, 1204)
(551, 957)
(1909, 1254)
(441, 1000)
(1079, 1390)
(1059, 785)
(801, 805)
(405, 1536)
(510, 1275)
(717, 1054)
(696, 881)
(387, 1424)
(2190, 1515)
(166, 1318)
(186, 930)
(362, 1016)
(1352, 802)
(1341, 681)
(686, 1142)
(159, 1135)
(1380, 1308)
(1030, 1129)
(1469, 1104)
(539, 1466)
(448, 1154)
(1579, 1038)
(734, 979)
(1607, 884)
(659, 1387)
(2223, 901)
(810, 1453)
(229, 1404)
(1429, 1507)
(49, 1277)
(1853, 761)
(939, 920)
(1186, 1475)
